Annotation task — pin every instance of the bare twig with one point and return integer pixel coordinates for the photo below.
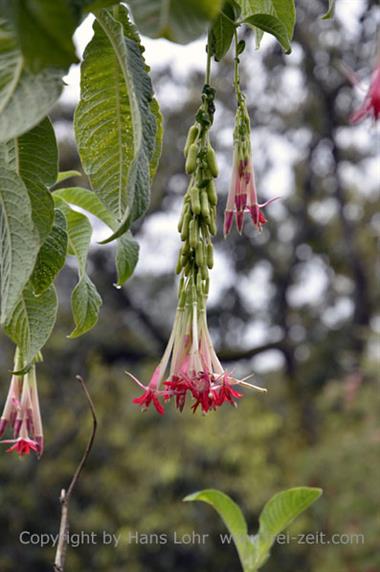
(60, 555)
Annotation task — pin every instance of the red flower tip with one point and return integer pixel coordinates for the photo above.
(149, 396)
(24, 446)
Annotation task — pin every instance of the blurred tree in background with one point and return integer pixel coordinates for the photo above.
(297, 304)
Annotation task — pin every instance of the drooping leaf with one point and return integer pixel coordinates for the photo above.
(34, 156)
(19, 240)
(52, 255)
(222, 32)
(85, 302)
(32, 321)
(115, 127)
(277, 17)
(180, 22)
(127, 249)
(45, 31)
(127, 254)
(278, 513)
(232, 517)
(85, 299)
(87, 200)
(25, 98)
(330, 11)
(156, 155)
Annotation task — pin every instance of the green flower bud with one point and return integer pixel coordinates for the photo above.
(185, 226)
(205, 210)
(211, 161)
(211, 193)
(191, 137)
(195, 202)
(199, 254)
(193, 233)
(191, 161)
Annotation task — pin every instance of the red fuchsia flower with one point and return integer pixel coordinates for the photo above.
(371, 104)
(194, 371)
(242, 196)
(22, 413)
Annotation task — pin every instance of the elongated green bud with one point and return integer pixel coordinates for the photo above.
(204, 272)
(212, 223)
(211, 193)
(185, 226)
(193, 233)
(191, 137)
(191, 161)
(179, 264)
(210, 255)
(211, 160)
(185, 208)
(199, 255)
(205, 210)
(195, 202)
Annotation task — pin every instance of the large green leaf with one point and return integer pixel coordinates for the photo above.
(116, 129)
(25, 98)
(85, 299)
(19, 240)
(127, 250)
(231, 515)
(177, 21)
(45, 29)
(222, 32)
(34, 156)
(278, 513)
(32, 321)
(52, 255)
(277, 17)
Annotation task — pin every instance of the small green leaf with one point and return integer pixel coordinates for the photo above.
(32, 321)
(277, 17)
(34, 156)
(52, 255)
(85, 299)
(127, 254)
(231, 515)
(34, 94)
(85, 303)
(273, 26)
(45, 31)
(330, 11)
(180, 22)
(19, 240)
(64, 175)
(278, 513)
(115, 127)
(222, 32)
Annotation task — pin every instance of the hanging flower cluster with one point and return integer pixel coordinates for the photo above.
(190, 369)
(242, 196)
(22, 414)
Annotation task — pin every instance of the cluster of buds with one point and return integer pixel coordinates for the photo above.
(242, 196)
(22, 414)
(189, 366)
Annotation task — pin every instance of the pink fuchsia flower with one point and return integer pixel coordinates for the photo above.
(22, 413)
(371, 104)
(242, 196)
(190, 367)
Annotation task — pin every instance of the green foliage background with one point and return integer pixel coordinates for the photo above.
(318, 424)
